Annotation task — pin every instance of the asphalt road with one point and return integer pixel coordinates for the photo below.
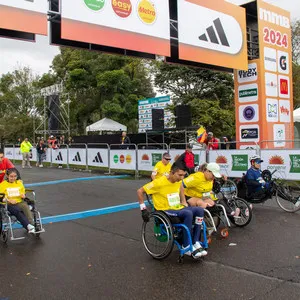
(102, 257)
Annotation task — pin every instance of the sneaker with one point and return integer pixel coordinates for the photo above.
(36, 164)
(198, 246)
(30, 167)
(30, 228)
(40, 166)
(196, 254)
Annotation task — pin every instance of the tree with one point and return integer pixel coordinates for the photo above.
(296, 41)
(102, 85)
(210, 94)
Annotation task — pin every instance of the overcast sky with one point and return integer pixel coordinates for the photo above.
(38, 56)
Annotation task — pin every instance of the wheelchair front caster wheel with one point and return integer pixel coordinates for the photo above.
(224, 233)
(180, 259)
(4, 236)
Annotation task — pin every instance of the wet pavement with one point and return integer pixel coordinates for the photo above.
(102, 257)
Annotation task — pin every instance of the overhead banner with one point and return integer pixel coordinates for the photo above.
(138, 25)
(212, 32)
(24, 15)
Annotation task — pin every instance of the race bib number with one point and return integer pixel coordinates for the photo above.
(174, 199)
(13, 192)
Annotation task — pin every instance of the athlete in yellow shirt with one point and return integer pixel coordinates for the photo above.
(166, 197)
(163, 167)
(14, 192)
(197, 188)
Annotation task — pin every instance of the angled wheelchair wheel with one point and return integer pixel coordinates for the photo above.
(229, 189)
(157, 235)
(245, 212)
(288, 197)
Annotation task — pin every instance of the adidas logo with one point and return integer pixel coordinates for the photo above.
(59, 157)
(216, 34)
(77, 157)
(98, 158)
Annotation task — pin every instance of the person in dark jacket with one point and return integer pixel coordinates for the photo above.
(41, 149)
(257, 187)
(125, 141)
(187, 159)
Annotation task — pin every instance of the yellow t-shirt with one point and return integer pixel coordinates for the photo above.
(160, 169)
(13, 190)
(165, 195)
(197, 186)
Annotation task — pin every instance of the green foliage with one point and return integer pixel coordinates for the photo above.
(210, 94)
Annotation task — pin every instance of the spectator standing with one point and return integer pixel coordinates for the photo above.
(40, 152)
(211, 142)
(125, 140)
(187, 159)
(19, 141)
(25, 150)
(5, 164)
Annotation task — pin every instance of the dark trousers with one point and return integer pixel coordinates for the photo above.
(18, 213)
(188, 214)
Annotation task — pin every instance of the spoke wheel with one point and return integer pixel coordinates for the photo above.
(287, 197)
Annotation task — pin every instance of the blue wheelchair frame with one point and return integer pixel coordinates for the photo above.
(179, 230)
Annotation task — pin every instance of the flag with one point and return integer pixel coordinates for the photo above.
(201, 134)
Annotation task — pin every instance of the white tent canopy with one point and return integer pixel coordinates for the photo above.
(296, 115)
(106, 125)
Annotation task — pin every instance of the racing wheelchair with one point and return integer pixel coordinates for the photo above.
(286, 193)
(162, 232)
(217, 216)
(8, 221)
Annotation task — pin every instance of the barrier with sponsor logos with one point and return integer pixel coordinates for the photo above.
(233, 163)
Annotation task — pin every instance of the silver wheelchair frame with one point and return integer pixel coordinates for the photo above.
(8, 221)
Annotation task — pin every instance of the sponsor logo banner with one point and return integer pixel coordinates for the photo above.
(295, 163)
(279, 135)
(271, 84)
(248, 92)
(272, 110)
(283, 62)
(249, 133)
(248, 113)
(284, 86)
(239, 162)
(284, 111)
(270, 59)
(249, 75)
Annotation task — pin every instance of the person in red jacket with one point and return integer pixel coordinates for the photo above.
(5, 164)
(187, 159)
(211, 142)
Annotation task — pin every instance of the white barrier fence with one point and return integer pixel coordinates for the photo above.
(233, 163)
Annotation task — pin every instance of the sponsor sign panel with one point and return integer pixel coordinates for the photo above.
(212, 33)
(279, 135)
(139, 25)
(98, 157)
(147, 159)
(123, 159)
(248, 92)
(249, 133)
(24, 15)
(248, 113)
(59, 156)
(285, 111)
(272, 110)
(77, 156)
(270, 59)
(232, 162)
(283, 62)
(9, 153)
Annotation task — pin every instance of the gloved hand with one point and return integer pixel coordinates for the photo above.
(145, 215)
(262, 182)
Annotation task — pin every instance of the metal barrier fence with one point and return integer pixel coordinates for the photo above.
(143, 157)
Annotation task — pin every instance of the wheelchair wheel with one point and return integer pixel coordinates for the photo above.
(157, 235)
(229, 189)
(287, 197)
(246, 212)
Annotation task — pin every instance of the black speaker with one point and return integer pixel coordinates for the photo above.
(157, 119)
(53, 112)
(183, 116)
